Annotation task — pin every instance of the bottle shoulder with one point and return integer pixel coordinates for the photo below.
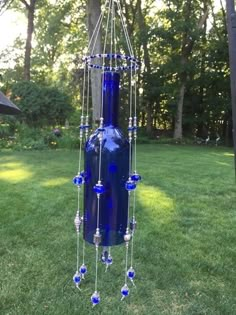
(113, 139)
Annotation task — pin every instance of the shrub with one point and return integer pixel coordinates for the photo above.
(41, 106)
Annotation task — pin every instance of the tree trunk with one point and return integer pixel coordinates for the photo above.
(178, 132)
(94, 11)
(147, 63)
(186, 50)
(30, 7)
(149, 120)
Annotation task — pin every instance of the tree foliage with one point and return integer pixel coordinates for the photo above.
(41, 105)
(182, 46)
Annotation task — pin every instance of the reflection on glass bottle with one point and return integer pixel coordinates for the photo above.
(114, 172)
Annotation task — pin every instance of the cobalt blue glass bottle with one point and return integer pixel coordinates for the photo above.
(114, 172)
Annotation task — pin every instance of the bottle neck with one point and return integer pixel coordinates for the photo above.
(111, 81)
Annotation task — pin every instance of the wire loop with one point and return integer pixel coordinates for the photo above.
(135, 64)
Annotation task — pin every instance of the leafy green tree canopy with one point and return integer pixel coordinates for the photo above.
(41, 105)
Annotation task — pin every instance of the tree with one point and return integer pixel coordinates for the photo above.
(40, 105)
(187, 44)
(93, 12)
(30, 7)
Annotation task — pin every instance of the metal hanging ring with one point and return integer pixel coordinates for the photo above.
(135, 64)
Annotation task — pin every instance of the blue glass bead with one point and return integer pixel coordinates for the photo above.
(124, 290)
(77, 278)
(99, 189)
(109, 260)
(104, 257)
(82, 173)
(78, 180)
(136, 177)
(83, 269)
(95, 298)
(131, 273)
(130, 185)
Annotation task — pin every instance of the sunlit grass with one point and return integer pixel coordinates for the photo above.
(14, 172)
(228, 154)
(55, 182)
(185, 249)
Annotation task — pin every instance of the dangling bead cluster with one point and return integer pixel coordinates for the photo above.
(78, 181)
(106, 258)
(131, 185)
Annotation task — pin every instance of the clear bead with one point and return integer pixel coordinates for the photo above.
(127, 237)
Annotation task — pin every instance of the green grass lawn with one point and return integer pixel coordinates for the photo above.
(185, 255)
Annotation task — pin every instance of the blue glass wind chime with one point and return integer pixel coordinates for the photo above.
(110, 175)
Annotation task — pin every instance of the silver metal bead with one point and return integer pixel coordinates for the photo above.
(133, 225)
(78, 222)
(97, 238)
(130, 122)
